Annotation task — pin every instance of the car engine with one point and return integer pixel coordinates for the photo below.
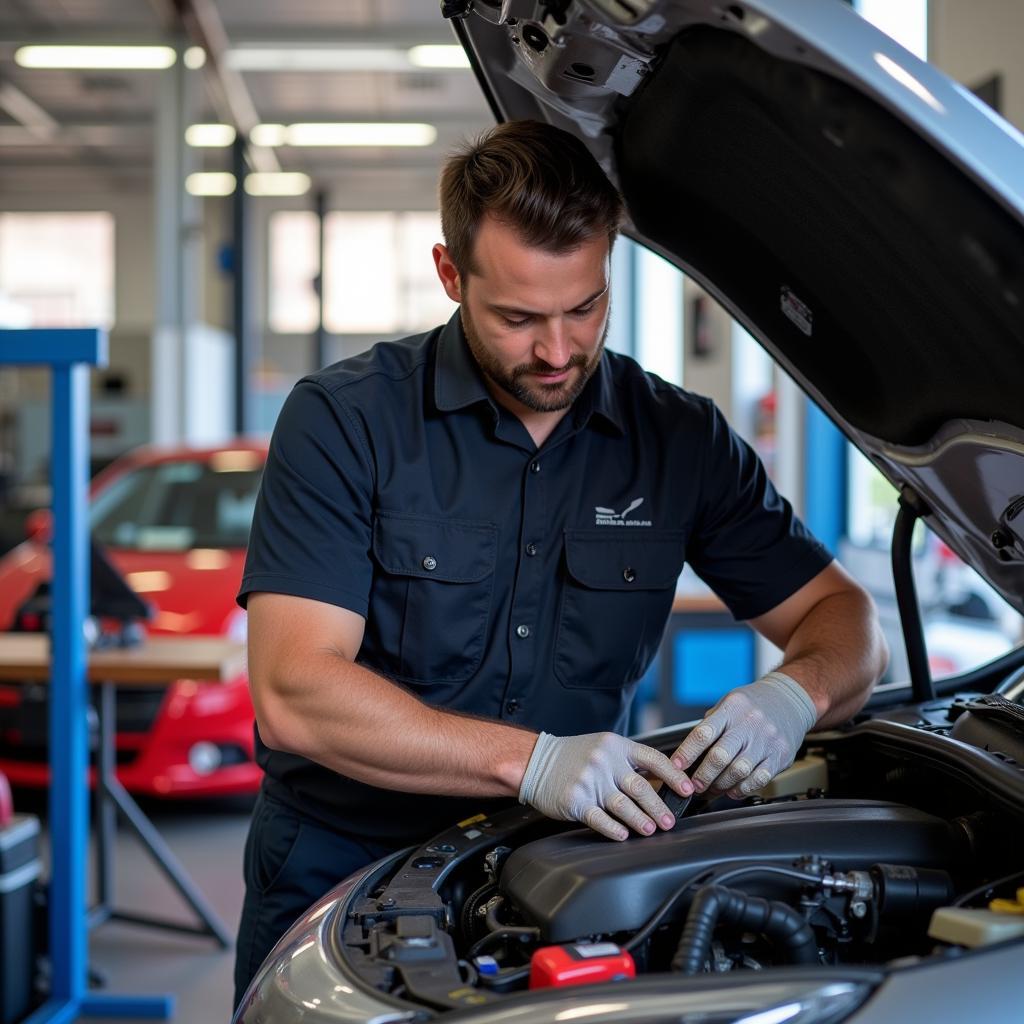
(906, 822)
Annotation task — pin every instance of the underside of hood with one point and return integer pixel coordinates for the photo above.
(858, 212)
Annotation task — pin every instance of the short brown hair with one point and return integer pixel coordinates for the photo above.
(536, 178)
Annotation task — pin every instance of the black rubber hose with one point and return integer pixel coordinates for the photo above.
(911, 509)
(717, 904)
(492, 939)
(719, 877)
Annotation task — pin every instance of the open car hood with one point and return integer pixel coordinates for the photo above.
(857, 211)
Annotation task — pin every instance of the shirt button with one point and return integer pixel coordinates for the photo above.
(511, 707)
(531, 549)
(535, 466)
(628, 575)
(429, 563)
(522, 632)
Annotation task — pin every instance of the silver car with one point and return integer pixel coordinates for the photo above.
(863, 217)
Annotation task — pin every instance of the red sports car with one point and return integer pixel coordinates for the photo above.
(174, 522)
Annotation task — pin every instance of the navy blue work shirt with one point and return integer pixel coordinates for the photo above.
(524, 584)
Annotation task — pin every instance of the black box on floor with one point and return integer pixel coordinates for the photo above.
(19, 869)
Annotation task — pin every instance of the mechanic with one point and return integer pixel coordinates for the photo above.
(465, 552)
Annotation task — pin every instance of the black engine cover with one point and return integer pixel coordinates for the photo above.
(578, 884)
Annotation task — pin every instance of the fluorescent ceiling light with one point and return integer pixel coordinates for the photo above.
(438, 57)
(194, 58)
(210, 135)
(316, 58)
(210, 183)
(277, 183)
(359, 134)
(269, 135)
(113, 58)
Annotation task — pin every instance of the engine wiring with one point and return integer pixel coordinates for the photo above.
(988, 890)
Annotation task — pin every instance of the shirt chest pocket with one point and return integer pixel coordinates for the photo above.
(616, 598)
(432, 596)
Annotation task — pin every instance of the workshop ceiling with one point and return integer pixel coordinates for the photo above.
(97, 127)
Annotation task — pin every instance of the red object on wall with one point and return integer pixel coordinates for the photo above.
(580, 964)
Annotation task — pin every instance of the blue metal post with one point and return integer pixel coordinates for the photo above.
(69, 353)
(826, 490)
(69, 698)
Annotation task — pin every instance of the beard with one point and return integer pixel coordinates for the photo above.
(534, 395)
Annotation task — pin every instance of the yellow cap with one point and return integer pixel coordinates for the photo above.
(1014, 906)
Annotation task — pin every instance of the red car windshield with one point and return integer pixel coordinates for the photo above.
(175, 506)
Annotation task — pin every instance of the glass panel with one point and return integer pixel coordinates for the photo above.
(362, 293)
(659, 298)
(905, 21)
(174, 506)
(294, 263)
(379, 274)
(57, 270)
(425, 302)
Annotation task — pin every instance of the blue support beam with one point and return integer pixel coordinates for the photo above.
(57, 347)
(70, 353)
(826, 490)
(69, 693)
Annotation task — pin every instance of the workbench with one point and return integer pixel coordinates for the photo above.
(158, 661)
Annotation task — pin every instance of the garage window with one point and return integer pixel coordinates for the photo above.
(57, 269)
(378, 273)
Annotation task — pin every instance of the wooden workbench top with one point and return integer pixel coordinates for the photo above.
(25, 657)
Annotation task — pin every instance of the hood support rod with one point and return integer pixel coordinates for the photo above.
(912, 508)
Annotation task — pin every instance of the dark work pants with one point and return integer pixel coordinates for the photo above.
(290, 862)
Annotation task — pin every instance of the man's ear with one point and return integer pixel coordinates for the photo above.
(447, 273)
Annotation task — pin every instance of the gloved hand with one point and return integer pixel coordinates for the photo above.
(756, 731)
(593, 779)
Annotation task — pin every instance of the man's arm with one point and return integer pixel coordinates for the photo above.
(831, 641)
(834, 654)
(312, 699)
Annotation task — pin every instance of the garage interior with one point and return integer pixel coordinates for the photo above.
(232, 195)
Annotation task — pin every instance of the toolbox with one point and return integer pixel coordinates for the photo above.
(19, 871)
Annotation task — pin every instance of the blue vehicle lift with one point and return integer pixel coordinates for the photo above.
(69, 354)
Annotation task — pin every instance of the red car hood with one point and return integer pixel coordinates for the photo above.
(192, 591)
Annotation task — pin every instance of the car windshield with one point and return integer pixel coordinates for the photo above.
(175, 506)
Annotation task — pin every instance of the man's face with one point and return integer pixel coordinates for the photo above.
(535, 321)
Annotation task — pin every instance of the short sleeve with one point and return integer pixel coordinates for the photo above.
(311, 529)
(747, 543)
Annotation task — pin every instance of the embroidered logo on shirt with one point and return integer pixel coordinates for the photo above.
(609, 517)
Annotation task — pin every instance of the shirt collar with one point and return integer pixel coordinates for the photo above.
(457, 380)
(599, 397)
(458, 383)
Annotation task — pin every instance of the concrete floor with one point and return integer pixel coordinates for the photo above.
(207, 838)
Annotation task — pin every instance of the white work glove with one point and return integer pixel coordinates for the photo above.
(593, 779)
(756, 731)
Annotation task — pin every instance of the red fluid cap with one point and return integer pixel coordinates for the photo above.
(580, 964)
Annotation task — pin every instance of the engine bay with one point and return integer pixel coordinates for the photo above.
(875, 867)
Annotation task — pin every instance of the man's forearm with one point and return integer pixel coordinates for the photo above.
(361, 725)
(837, 653)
